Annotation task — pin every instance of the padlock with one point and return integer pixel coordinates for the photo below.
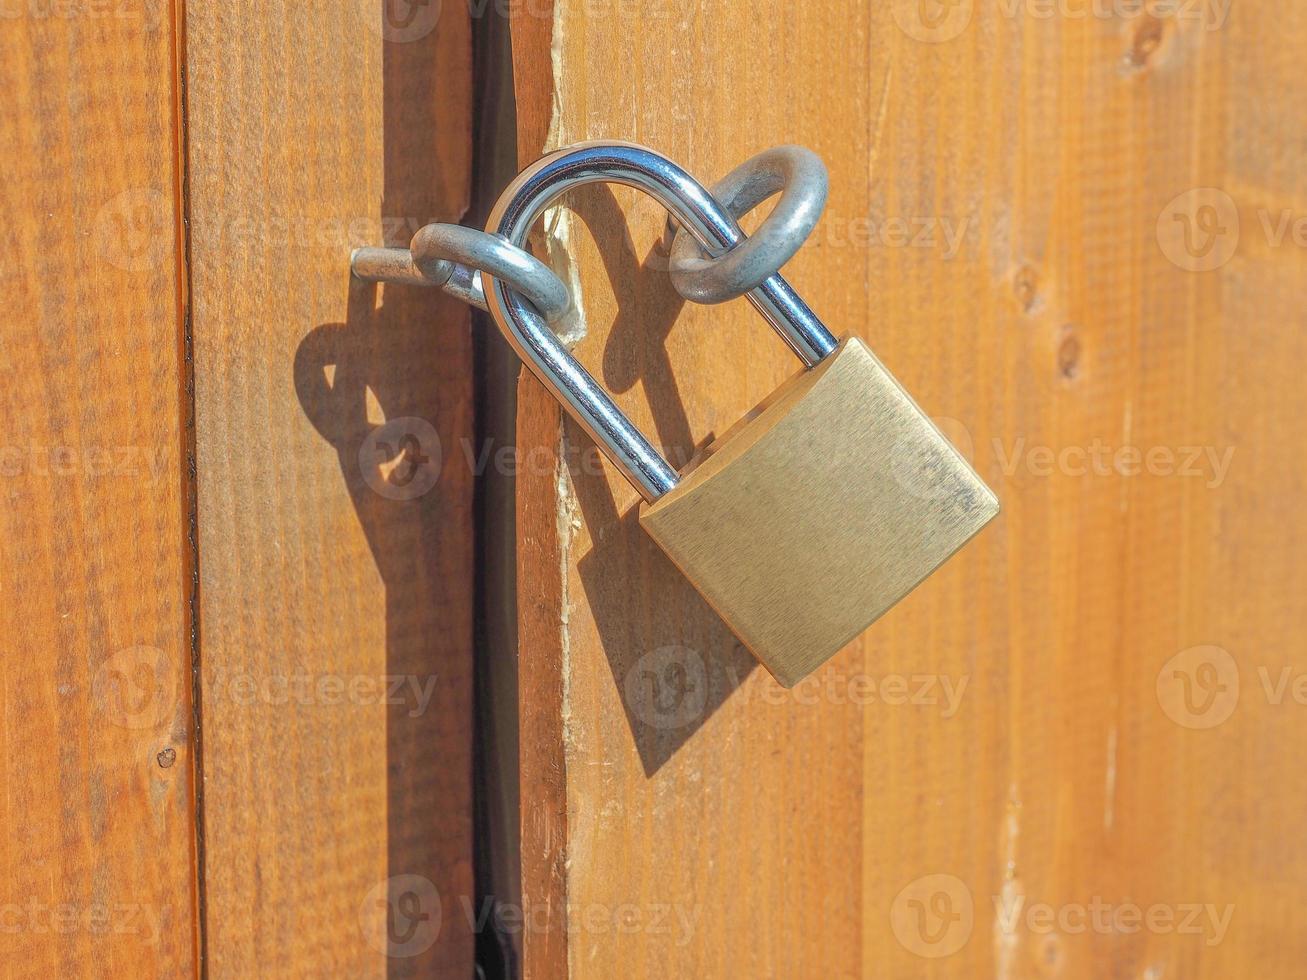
(810, 518)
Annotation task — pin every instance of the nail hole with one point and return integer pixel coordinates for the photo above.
(1148, 38)
(1026, 287)
(1068, 353)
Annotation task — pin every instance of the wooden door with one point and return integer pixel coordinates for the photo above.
(249, 520)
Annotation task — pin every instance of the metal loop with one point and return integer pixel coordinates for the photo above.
(522, 204)
(453, 257)
(794, 172)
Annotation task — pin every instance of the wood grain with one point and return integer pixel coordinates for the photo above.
(334, 423)
(97, 823)
(1003, 232)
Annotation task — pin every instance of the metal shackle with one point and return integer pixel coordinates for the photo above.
(711, 225)
(794, 172)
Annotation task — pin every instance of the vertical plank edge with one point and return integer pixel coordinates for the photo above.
(541, 630)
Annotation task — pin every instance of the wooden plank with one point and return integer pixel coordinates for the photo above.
(97, 825)
(542, 774)
(335, 501)
(677, 849)
(1001, 230)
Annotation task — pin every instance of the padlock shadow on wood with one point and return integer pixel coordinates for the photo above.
(415, 516)
(673, 661)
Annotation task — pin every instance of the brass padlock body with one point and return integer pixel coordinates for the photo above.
(807, 521)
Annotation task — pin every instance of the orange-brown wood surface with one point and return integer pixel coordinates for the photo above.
(1073, 231)
(333, 422)
(97, 814)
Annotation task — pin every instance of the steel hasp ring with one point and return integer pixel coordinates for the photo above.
(453, 257)
(800, 177)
